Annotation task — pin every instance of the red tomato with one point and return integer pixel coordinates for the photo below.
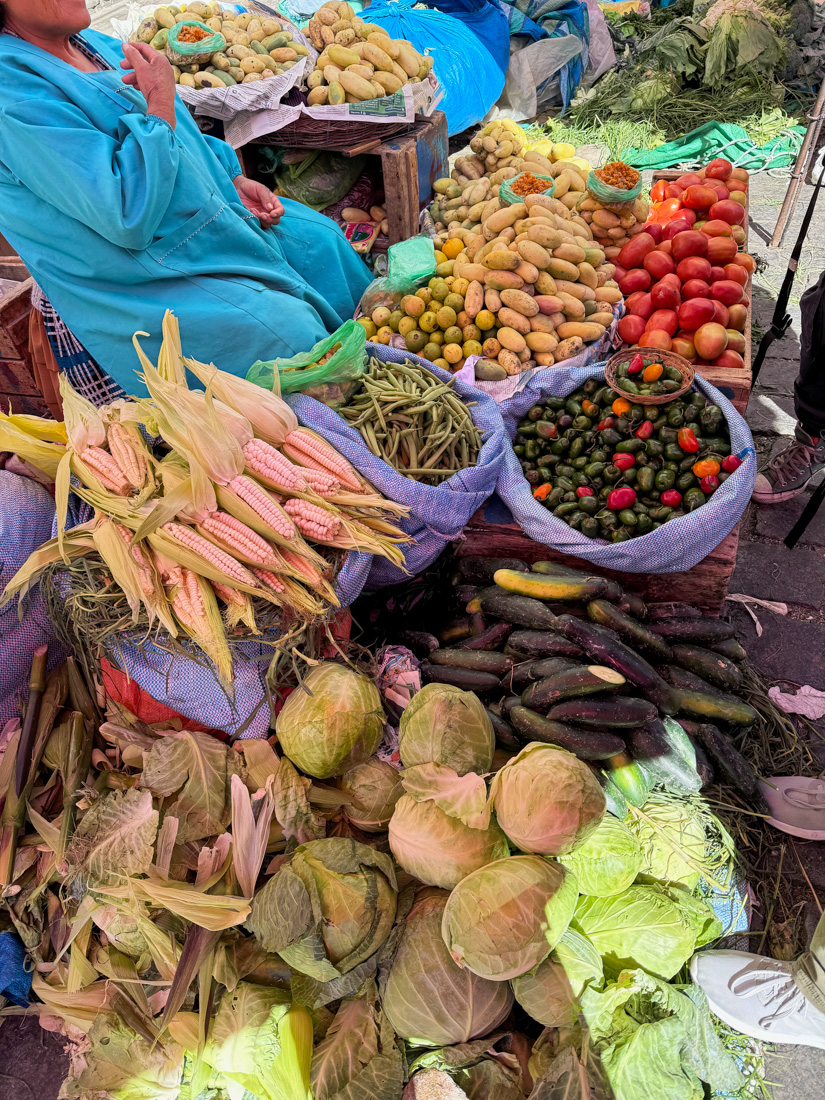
(664, 319)
(656, 338)
(695, 288)
(721, 317)
(658, 264)
(746, 261)
(657, 191)
(678, 225)
(717, 272)
(693, 267)
(725, 291)
(699, 197)
(691, 242)
(736, 274)
(665, 246)
(727, 210)
(737, 185)
(738, 317)
(718, 169)
(636, 280)
(717, 228)
(666, 210)
(654, 229)
(618, 272)
(721, 250)
(738, 235)
(720, 189)
(631, 328)
(664, 295)
(640, 305)
(740, 174)
(684, 347)
(688, 215)
(736, 341)
(673, 279)
(729, 359)
(689, 179)
(632, 253)
(695, 313)
(710, 340)
(673, 190)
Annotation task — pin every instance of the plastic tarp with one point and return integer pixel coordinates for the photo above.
(716, 139)
(468, 73)
(485, 19)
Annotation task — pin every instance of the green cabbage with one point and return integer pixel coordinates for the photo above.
(608, 861)
(675, 843)
(444, 725)
(335, 723)
(374, 788)
(439, 849)
(427, 998)
(550, 992)
(546, 800)
(645, 927)
(493, 920)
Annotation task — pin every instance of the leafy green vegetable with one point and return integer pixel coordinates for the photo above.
(374, 788)
(656, 1041)
(643, 926)
(474, 1070)
(682, 841)
(444, 725)
(196, 769)
(550, 992)
(606, 862)
(116, 837)
(124, 1066)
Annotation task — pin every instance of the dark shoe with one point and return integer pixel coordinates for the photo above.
(789, 472)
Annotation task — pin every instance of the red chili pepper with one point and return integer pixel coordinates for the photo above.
(709, 484)
(543, 491)
(636, 365)
(671, 498)
(623, 461)
(584, 491)
(645, 430)
(621, 498)
(731, 463)
(608, 422)
(687, 440)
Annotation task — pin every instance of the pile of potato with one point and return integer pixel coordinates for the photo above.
(529, 288)
(377, 215)
(358, 61)
(255, 48)
(613, 224)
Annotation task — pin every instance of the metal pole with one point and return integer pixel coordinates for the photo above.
(798, 173)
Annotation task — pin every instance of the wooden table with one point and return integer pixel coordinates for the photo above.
(705, 585)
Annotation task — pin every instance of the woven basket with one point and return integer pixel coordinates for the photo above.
(507, 195)
(336, 135)
(651, 355)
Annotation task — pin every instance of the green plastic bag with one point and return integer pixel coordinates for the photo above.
(333, 382)
(193, 53)
(605, 193)
(505, 192)
(410, 265)
(716, 139)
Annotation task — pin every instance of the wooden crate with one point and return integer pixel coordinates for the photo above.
(735, 384)
(705, 585)
(18, 388)
(11, 266)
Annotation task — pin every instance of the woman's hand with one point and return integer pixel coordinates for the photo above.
(259, 200)
(153, 77)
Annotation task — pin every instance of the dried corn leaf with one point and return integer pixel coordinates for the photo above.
(115, 838)
(192, 767)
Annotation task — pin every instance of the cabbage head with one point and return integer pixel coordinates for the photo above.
(327, 910)
(503, 919)
(445, 725)
(427, 998)
(608, 861)
(675, 844)
(335, 723)
(546, 800)
(550, 992)
(374, 788)
(439, 849)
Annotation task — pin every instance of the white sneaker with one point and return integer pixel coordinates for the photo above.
(758, 996)
(797, 805)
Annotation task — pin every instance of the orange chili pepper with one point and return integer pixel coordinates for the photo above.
(621, 405)
(706, 466)
(589, 409)
(543, 491)
(652, 373)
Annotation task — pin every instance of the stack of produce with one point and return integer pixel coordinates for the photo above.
(221, 512)
(613, 469)
(251, 49)
(528, 289)
(376, 215)
(614, 223)
(684, 279)
(357, 60)
(324, 925)
(414, 421)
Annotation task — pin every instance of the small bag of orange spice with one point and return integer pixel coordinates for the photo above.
(613, 207)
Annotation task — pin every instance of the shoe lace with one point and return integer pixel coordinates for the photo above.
(775, 987)
(791, 463)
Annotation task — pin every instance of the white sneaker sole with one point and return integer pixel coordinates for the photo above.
(778, 498)
(794, 830)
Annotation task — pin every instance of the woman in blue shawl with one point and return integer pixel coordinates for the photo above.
(121, 208)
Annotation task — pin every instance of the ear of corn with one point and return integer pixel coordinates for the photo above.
(84, 424)
(272, 468)
(307, 448)
(249, 502)
(237, 539)
(122, 565)
(129, 451)
(271, 417)
(238, 607)
(196, 609)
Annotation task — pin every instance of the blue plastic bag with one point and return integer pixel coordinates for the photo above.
(470, 77)
(486, 20)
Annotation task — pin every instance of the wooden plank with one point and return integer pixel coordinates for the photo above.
(399, 164)
(16, 377)
(31, 404)
(13, 268)
(705, 585)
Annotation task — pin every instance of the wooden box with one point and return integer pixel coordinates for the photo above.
(734, 384)
(12, 267)
(18, 388)
(705, 585)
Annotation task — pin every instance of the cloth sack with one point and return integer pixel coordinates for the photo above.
(672, 548)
